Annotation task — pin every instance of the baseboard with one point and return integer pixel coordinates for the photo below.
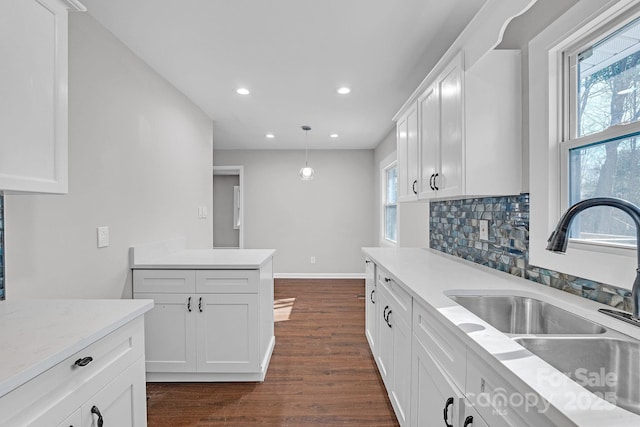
(318, 275)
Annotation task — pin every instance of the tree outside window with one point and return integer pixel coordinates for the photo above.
(604, 151)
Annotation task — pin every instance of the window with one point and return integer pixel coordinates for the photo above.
(601, 148)
(390, 203)
(554, 137)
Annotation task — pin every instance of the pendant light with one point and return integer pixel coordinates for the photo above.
(306, 173)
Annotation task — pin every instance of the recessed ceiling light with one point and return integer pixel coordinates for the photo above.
(269, 136)
(242, 91)
(334, 135)
(344, 90)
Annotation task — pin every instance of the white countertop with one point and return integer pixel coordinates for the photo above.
(430, 275)
(38, 334)
(226, 259)
(172, 254)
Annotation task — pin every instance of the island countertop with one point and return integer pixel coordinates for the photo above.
(38, 334)
(173, 254)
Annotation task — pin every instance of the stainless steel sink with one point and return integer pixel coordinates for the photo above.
(523, 315)
(609, 367)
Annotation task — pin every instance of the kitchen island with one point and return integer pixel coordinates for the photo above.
(213, 315)
(72, 362)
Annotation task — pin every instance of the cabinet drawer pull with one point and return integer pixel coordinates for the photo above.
(431, 182)
(96, 411)
(435, 186)
(387, 280)
(384, 313)
(189, 304)
(373, 291)
(468, 421)
(446, 412)
(413, 186)
(200, 304)
(83, 361)
(387, 319)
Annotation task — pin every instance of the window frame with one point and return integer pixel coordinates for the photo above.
(547, 126)
(385, 165)
(570, 139)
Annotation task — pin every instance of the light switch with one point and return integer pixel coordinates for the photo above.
(103, 237)
(202, 212)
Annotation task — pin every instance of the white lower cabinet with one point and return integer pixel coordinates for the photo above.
(371, 307)
(207, 325)
(73, 420)
(394, 339)
(431, 376)
(118, 403)
(105, 379)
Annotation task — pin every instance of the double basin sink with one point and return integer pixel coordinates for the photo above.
(603, 361)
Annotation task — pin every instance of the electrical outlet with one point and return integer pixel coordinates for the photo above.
(202, 212)
(313, 260)
(103, 237)
(484, 229)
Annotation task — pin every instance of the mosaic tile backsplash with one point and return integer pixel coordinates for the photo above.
(454, 228)
(1, 246)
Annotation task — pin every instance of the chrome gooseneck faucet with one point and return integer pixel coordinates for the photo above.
(558, 241)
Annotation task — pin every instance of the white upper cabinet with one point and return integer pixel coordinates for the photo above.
(469, 130)
(408, 149)
(33, 90)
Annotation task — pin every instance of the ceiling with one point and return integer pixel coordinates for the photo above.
(292, 55)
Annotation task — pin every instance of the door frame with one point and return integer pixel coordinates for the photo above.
(239, 171)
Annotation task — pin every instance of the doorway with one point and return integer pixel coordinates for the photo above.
(228, 215)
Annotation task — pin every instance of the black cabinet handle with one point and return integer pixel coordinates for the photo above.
(387, 319)
(373, 291)
(413, 186)
(384, 313)
(83, 361)
(189, 304)
(96, 411)
(387, 280)
(435, 187)
(468, 421)
(446, 412)
(366, 261)
(200, 305)
(431, 182)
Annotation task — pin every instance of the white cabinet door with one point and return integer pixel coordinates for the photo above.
(385, 338)
(450, 179)
(228, 333)
(33, 89)
(472, 418)
(429, 106)
(435, 400)
(170, 332)
(121, 403)
(371, 312)
(74, 420)
(401, 390)
(394, 353)
(407, 152)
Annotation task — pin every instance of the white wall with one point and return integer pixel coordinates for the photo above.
(329, 217)
(139, 162)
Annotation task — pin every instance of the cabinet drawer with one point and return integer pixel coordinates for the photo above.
(228, 281)
(447, 350)
(164, 281)
(400, 299)
(499, 402)
(60, 390)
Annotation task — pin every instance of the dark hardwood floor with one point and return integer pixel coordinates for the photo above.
(321, 373)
